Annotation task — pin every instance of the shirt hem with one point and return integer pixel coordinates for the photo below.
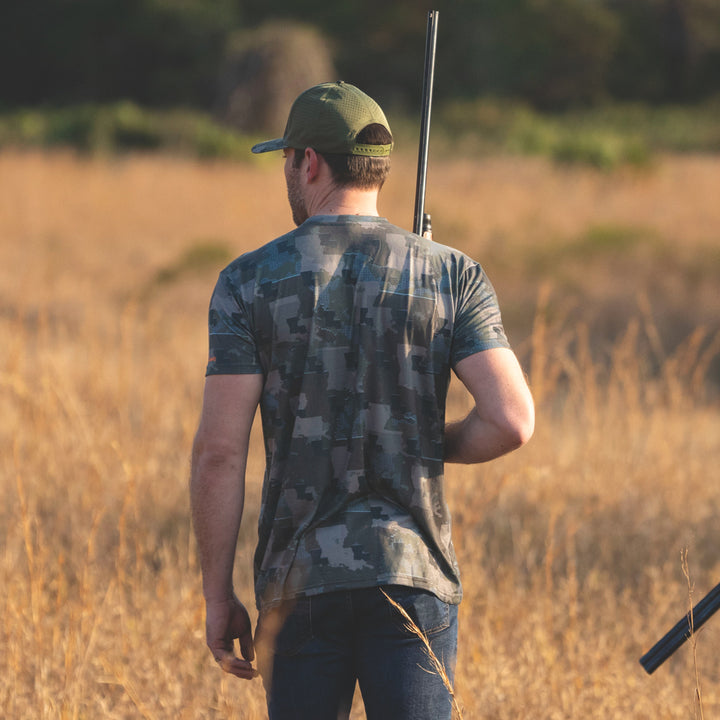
(233, 370)
(453, 597)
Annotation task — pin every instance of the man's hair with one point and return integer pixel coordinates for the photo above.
(358, 171)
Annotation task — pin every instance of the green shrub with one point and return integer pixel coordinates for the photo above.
(591, 138)
(604, 151)
(123, 127)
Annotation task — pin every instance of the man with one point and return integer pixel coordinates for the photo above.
(344, 332)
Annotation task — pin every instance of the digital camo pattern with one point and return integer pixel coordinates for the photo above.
(355, 324)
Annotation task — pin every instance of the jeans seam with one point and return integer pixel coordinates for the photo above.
(310, 617)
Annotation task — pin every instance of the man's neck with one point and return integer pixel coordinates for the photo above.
(346, 201)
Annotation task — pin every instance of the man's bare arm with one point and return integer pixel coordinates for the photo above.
(217, 495)
(503, 418)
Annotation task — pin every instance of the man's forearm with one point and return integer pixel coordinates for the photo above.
(474, 440)
(217, 493)
(217, 480)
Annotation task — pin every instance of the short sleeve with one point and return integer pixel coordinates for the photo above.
(478, 324)
(232, 346)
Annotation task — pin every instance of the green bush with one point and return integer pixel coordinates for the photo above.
(501, 126)
(605, 151)
(122, 127)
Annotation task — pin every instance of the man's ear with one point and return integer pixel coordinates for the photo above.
(312, 166)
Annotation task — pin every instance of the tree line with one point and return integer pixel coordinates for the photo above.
(552, 54)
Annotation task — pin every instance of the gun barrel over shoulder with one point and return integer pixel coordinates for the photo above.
(421, 221)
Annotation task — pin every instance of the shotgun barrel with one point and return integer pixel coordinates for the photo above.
(421, 221)
(681, 631)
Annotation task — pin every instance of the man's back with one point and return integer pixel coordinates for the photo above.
(355, 325)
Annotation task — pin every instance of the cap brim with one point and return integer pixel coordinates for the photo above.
(269, 145)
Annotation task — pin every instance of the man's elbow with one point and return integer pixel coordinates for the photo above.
(518, 428)
(211, 455)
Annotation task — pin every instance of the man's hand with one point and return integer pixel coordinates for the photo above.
(225, 621)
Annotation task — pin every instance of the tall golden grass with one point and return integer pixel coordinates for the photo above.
(571, 548)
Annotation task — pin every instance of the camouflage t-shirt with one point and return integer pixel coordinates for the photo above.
(355, 325)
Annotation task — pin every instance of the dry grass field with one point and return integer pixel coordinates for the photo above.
(570, 548)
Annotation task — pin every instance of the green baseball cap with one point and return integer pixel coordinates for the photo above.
(327, 118)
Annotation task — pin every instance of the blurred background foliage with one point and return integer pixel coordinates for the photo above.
(98, 72)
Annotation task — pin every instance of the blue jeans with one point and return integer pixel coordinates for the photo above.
(325, 643)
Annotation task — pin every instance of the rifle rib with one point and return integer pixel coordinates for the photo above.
(428, 80)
